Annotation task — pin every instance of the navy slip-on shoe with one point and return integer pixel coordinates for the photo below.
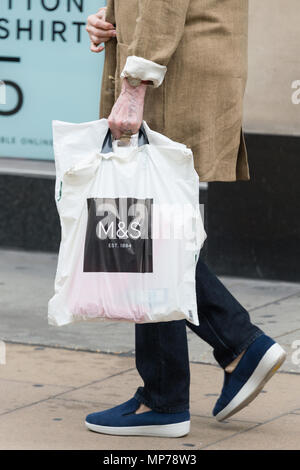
(122, 420)
(258, 364)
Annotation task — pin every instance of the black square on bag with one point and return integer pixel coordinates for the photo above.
(118, 235)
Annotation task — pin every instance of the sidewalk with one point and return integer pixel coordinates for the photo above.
(47, 392)
(53, 378)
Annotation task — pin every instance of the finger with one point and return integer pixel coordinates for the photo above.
(98, 40)
(94, 20)
(113, 125)
(128, 130)
(116, 133)
(130, 125)
(100, 33)
(101, 14)
(104, 24)
(95, 48)
(125, 128)
(101, 23)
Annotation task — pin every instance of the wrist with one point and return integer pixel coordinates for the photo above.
(136, 82)
(139, 90)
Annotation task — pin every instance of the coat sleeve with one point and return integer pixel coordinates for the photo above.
(159, 28)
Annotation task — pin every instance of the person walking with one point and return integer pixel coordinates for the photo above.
(181, 65)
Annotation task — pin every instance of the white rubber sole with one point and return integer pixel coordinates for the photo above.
(266, 368)
(166, 430)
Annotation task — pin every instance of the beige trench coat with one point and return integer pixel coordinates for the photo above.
(203, 43)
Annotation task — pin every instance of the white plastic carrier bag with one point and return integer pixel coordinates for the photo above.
(131, 226)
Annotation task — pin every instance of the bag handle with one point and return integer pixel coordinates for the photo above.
(107, 143)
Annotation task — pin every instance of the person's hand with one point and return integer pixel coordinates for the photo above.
(99, 30)
(126, 116)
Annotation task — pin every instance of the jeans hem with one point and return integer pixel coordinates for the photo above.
(228, 360)
(159, 409)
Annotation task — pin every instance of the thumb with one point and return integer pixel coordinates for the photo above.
(101, 13)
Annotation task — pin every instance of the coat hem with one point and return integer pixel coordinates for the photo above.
(222, 179)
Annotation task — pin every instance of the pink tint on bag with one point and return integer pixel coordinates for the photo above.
(91, 296)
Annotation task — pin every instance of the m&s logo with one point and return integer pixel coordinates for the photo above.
(131, 232)
(118, 235)
(123, 223)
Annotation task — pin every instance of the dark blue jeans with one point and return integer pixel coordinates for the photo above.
(162, 358)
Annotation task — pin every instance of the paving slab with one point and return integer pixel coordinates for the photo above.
(282, 433)
(16, 394)
(57, 425)
(57, 366)
(26, 285)
(255, 294)
(279, 319)
(45, 397)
